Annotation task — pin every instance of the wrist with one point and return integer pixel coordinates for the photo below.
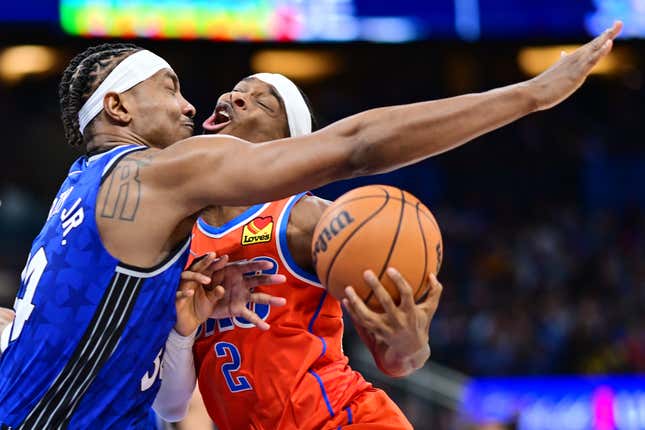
(185, 326)
(182, 339)
(417, 359)
(396, 363)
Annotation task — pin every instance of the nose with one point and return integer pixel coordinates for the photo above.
(188, 109)
(238, 99)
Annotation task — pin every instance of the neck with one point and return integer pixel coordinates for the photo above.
(100, 141)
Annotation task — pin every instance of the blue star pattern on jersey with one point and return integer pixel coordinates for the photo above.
(85, 348)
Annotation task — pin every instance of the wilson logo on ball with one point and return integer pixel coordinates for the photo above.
(335, 226)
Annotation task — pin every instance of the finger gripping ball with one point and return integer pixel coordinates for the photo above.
(376, 227)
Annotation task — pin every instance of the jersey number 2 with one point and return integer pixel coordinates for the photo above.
(23, 306)
(235, 383)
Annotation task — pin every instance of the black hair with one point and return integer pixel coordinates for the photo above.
(81, 77)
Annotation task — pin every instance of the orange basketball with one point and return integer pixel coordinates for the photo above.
(376, 227)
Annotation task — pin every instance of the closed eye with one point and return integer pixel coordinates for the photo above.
(265, 105)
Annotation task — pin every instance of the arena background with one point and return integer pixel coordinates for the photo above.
(542, 321)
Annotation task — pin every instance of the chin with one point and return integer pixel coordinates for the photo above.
(227, 130)
(186, 135)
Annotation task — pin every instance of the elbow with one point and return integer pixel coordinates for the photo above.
(358, 150)
(368, 151)
(361, 160)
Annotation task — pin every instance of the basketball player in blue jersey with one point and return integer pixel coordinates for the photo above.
(96, 301)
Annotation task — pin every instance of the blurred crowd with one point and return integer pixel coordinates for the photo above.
(564, 293)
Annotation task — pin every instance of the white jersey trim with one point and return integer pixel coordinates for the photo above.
(288, 264)
(142, 273)
(116, 159)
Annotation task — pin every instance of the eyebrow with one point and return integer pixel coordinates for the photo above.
(173, 77)
(275, 94)
(279, 99)
(272, 90)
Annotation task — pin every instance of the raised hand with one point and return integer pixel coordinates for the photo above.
(569, 73)
(401, 332)
(239, 279)
(213, 288)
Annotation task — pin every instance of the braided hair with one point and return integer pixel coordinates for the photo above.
(81, 77)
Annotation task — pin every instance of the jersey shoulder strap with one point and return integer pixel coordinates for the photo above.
(283, 247)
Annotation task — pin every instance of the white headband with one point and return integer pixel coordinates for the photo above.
(298, 113)
(132, 70)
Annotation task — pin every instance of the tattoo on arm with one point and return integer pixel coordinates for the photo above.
(124, 190)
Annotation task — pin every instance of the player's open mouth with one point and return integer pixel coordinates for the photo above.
(220, 118)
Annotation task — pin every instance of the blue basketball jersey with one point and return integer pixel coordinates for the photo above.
(85, 348)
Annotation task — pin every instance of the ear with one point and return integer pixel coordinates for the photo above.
(115, 108)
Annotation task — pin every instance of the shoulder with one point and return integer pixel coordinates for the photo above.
(129, 161)
(307, 211)
(303, 219)
(190, 150)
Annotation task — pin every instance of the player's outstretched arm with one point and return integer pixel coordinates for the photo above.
(228, 171)
(398, 337)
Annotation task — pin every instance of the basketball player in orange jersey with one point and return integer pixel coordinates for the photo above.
(306, 382)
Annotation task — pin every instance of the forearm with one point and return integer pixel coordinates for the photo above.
(178, 381)
(389, 138)
(375, 141)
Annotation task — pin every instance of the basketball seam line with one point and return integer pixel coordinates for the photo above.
(425, 255)
(342, 245)
(429, 218)
(389, 254)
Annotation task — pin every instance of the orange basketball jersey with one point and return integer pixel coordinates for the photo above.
(294, 376)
